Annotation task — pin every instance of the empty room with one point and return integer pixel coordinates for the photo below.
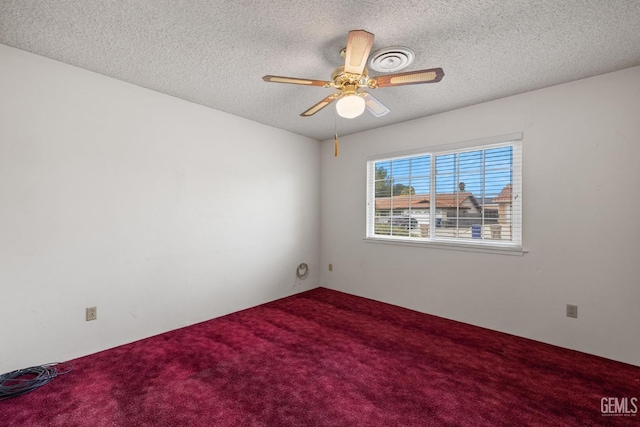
(252, 213)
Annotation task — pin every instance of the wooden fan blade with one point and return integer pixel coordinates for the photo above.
(319, 106)
(295, 81)
(374, 106)
(432, 75)
(358, 47)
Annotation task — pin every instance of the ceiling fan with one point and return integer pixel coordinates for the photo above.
(353, 76)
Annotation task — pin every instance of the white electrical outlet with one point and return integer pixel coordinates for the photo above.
(91, 313)
(572, 311)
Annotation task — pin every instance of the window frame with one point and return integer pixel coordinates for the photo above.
(513, 247)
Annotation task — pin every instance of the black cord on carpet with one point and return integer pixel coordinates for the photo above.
(23, 381)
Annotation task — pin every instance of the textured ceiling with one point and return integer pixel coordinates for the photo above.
(215, 53)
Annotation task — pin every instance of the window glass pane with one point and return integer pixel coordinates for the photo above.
(496, 181)
(446, 164)
(382, 179)
(471, 161)
(421, 186)
(420, 166)
(400, 168)
(386, 165)
(383, 189)
(401, 187)
(471, 182)
(446, 183)
(382, 214)
(499, 158)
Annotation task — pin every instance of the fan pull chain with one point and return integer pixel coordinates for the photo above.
(335, 135)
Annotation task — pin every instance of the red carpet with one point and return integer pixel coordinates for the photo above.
(324, 358)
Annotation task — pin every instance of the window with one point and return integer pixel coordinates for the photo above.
(466, 194)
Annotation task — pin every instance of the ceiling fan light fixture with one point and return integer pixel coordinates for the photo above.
(350, 106)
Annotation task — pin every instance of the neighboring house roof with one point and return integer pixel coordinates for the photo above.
(504, 196)
(487, 202)
(464, 200)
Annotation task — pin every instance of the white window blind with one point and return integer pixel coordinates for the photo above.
(468, 195)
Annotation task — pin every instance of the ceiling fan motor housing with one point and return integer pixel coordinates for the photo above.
(348, 83)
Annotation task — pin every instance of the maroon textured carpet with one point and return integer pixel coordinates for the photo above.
(324, 358)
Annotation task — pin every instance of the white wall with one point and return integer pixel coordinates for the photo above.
(581, 154)
(160, 212)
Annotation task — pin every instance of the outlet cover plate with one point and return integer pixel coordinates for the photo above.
(572, 311)
(91, 313)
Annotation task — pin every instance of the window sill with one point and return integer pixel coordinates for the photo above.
(457, 246)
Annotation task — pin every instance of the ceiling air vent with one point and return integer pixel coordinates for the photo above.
(391, 59)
